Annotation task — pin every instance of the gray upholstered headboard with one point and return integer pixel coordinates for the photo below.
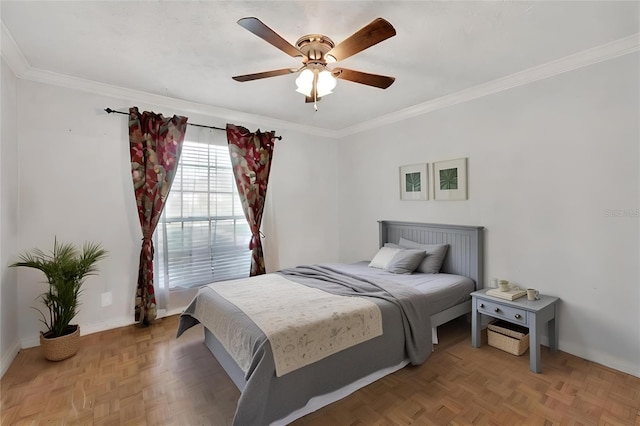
(466, 244)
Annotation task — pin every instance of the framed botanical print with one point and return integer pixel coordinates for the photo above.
(413, 182)
(450, 180)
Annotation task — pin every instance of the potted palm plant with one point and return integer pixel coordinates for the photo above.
(66, 269)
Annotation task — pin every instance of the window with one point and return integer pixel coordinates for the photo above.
(203, 235)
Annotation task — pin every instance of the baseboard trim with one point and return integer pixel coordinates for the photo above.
(8, 357)
(607, 360)
(106, 325)
(33, 341)
(170, 312)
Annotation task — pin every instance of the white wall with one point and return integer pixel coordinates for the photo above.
(9, 344)
(551, 164)
(75, 183)
(301, 217)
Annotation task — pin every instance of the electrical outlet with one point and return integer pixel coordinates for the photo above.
(107, 299)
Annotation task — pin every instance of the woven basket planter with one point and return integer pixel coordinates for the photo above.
(59, 348)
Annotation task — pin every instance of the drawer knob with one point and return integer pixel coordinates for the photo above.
(482, 305)
(497, 309)
(518, 316)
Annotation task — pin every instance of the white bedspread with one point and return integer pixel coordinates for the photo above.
(280, 308)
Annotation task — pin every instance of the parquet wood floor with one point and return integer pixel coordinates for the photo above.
(144, 376)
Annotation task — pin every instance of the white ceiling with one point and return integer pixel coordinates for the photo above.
(189, 50)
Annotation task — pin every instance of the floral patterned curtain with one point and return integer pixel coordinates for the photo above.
(251, 161)
(155, 144)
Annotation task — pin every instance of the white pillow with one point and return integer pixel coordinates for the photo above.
(384, 257)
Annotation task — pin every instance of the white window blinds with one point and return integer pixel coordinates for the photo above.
(203, 235)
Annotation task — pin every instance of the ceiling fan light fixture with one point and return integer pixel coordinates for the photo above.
(326, 83)
(322, 79)
(305, 82)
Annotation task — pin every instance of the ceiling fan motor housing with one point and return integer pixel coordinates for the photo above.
(315, 47)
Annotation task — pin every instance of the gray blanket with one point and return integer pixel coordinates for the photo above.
(413, 305)
(406, 334)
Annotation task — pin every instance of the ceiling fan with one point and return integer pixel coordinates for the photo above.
(316, 79)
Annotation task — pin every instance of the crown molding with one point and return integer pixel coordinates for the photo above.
(582, 59)
(11, 53)
(94, 87)
(22, 69)
(16, 60)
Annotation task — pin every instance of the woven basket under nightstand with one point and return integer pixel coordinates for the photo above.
(509, 337)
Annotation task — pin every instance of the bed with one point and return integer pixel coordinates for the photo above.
(403, 310)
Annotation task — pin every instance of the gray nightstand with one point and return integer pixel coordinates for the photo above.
(533, 314)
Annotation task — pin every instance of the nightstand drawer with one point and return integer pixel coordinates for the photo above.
(498, 310)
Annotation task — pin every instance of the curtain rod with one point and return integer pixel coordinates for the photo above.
(112, 111)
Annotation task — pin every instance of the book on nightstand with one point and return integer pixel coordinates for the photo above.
(508, 295)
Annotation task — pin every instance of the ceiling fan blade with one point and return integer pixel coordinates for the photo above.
(375, 80)
(257, 27)
(266, 74)
(378, 30)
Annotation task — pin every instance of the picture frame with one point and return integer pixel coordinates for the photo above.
(450, 180)
(414, 182)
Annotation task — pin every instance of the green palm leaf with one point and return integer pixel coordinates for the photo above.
(449, 179)
(66, 269)
(412, 182)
